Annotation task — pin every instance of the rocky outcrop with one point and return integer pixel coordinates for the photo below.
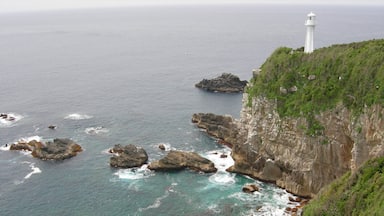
(279, 150)
(128, 156)
(250, 188)
(222, 127)
(58, 149)
(177, 160)
(227, 83)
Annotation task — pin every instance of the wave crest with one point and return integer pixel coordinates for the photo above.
(77, 116)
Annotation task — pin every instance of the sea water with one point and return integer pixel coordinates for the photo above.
(122, 76)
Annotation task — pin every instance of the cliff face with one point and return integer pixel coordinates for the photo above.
(279, 150)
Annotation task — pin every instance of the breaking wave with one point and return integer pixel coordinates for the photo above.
(77, 116)
(134, 173)
(96, 130)
(9, 119)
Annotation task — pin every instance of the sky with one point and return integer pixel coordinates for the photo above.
(33, 5)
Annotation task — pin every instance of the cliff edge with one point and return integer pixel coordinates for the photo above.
(307, 119)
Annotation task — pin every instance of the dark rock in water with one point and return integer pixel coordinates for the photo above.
(227, 83)
(53, 127)
(162, 147)
(177, 160)
(7, 117)
(250, 188)
(128, 156)
(59, 149)
(222, 127)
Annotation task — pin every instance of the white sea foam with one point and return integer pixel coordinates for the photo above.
(134, 173)
(29, 139)
(222, 160)
(157, 202)
(96, 130)
(21, 140)
(35, 170)
(5, 147)
(77, 116)
(11, 119)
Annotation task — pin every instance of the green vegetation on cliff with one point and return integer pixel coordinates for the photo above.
(360, 193)
(306, 84)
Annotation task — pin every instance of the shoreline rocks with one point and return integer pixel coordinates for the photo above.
(178, 160)
(222, 127)
(226, 83)
(58, 149)
(250, 188)
(127, 156)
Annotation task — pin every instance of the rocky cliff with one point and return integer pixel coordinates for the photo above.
(279, 150)
(330, 124)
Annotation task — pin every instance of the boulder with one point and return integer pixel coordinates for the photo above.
(178, 160)
(128, 156)
(162, 147)
(250, 188)
(227, 83)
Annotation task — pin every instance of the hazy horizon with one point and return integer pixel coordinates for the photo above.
(43, 5)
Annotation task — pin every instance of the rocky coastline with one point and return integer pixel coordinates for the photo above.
(277, 150)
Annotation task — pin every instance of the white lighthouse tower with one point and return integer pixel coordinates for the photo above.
(310, 23)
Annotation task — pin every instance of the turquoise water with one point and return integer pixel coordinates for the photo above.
(127, 76)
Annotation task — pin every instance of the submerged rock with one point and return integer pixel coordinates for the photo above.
(177, 160)
(128, 156)
(59, 149)
(227, 83)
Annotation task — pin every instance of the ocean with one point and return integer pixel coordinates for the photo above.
(126, 76)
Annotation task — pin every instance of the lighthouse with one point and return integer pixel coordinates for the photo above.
(310, 23)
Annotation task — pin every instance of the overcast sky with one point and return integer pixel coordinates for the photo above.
(27, 5)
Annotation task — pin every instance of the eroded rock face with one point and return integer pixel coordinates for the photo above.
(279, 150)
(128, 156)
(222, 127)
(177, 160)
(58, 149)
(227, 83)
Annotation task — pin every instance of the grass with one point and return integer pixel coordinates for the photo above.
(360, 193)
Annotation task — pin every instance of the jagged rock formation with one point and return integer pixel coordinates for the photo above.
(128, 156)
(177, 160)
(218, 126)
(227, 83)
(59, 149)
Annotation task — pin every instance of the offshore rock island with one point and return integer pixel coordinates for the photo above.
(226, 83)
(307, 119)
(58, 149)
